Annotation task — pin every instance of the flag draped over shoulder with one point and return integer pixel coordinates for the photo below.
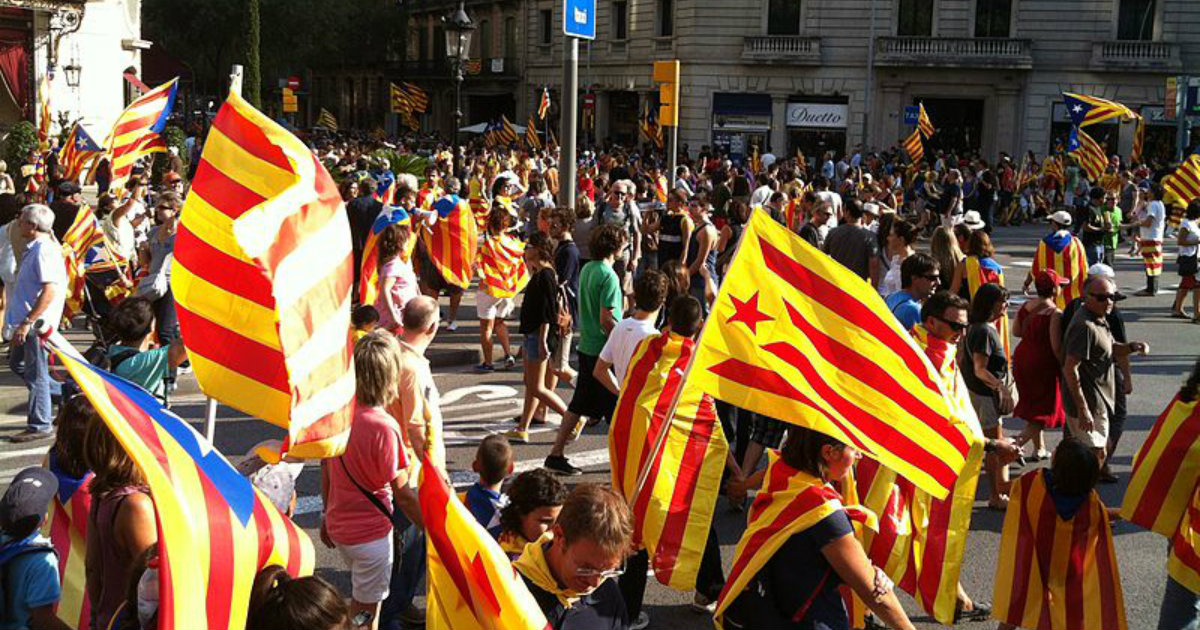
(796, 336)
(66, 527)
(136, 132)
(789, 502)
(472, 584)
(921, 540)
(981, 271)
(77, 151)
(369, 281)
(1088, 110)
(452, 242)
(674, 510)
(1089, 153)
(502, 262)
(262, 280)
(216, 531)
(1063, 254)
(1056, 573)
(913, 146)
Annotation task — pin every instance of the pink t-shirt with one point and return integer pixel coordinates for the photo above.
(403, 289)
(374, 457)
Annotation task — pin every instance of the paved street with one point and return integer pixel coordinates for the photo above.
(475, 406)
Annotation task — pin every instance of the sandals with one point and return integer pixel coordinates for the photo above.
(980, 611)
(1179, 315)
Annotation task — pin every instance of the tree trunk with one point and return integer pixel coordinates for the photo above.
(252, 81)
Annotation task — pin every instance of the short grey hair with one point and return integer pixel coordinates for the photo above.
(419, 314)
(41, 216)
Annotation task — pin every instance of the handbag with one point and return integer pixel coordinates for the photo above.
(1006, 398)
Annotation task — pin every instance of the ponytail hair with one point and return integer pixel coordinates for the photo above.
(280, 602)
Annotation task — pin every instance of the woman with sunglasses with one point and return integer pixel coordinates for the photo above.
(985, 370)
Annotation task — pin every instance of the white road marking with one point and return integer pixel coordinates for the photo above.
(37, 450)
(507, 402)
(484, 392)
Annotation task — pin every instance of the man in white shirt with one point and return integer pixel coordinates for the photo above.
(649, 292)
(763, 193)
(1150, 237)
(821, 186)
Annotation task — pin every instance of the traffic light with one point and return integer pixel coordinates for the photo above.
(290, 104)
(666, 74)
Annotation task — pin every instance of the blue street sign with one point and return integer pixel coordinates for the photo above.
(579, 18)
(911, 113)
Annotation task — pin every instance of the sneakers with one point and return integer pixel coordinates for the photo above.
(560, 465)
(642, 621)
(517, 435)
(33, 435)
(485, 368)
(509, 362)
(452, 326)
(703, 605)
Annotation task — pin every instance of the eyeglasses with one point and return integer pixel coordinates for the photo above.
(585, 572)
(955, 326)
(1104, 297)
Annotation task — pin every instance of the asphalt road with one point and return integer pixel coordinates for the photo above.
(476, 405)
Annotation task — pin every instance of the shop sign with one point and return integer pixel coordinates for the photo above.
(824, 115)
(741, 122)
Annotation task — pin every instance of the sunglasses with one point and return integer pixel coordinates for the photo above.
(932, 277)
(1104, 297)
(955, 326)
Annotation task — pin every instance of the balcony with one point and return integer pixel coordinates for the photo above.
(782, 49)
(1134, 55)
(954, 52)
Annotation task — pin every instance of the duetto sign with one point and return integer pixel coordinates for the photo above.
(827, 115)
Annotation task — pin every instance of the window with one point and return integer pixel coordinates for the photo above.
(992, 18)
(783, 17)
(1135, 20)
(439, 43)
(620, 20)
(485, 39)
(666, 18)
(546, 19)
(916, 18)
(510, 37)
(423, 43)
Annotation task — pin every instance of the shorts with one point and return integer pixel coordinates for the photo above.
(490, 307)
(986, 409)
(532, 348)
(1097, 437)
(591, 399)
(1187, 283)
(429, 276)
(560, 358)
(370, 568)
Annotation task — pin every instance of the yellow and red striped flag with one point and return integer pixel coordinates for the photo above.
(78, 149)
(66, 527)
(472, 584)
(1166, 470)
(368, 285)
(924, 124)
(1063, 254)
(502, 262)
(796, 336)
(216, 531)
(1139, 141)
(262, 281)
(914, 148)
(451, 241)
(544, 104)
(400, 102)
(674, 509)
(1055, 573)
(1087, 110)
(532, 141)
(136, 132)
(83, 234)
(1052, 167)
(789, 502)
(1184, 182)
(921, 540)
(1183, 564)
(44, 116)
(987, 271)
(1089, 153)
(416, 97)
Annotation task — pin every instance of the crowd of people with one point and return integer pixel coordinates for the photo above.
(640, 251)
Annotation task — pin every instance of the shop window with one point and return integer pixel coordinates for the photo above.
(620, 17)
(666, 18)
(916, 18)
(1135, 19)
(783, 17)
(993, 18)
(546, 18)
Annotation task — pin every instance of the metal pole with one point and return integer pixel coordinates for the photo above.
(569, 111)
(458, 79)
(210, 418)
(1181, 117)
(867, 100)
(673, 153)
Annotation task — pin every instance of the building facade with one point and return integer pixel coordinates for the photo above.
(828, 75)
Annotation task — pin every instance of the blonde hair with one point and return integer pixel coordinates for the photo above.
(944, 248)
(376, 369)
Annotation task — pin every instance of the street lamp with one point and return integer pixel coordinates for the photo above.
(72, 71)
(458, 46)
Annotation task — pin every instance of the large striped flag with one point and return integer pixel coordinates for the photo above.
(416, 97)
(921, 540)
(924, 124)
(452, 240)
(325, 119)
(368, 284)
(44, 116)
(1087, 110)
(1063, 254)
(1089, 153)
(789, 502)
(674, 509)
(914, 147)
(137, 131)
(216, 531)
(507, 134)
(1054, 573)
(83, 234)
(66, 527)
(262, 281)
(1166, 470)
(502, 263)
(472, 584)
(532, 141)
(1184, 182)
(401, 104)
(544, 104)
(796, 336)
(77, 151)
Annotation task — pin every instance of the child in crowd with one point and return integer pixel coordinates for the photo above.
(29, 581)
(280, 602)
(364, 318)
(535, 498)
(494, 463)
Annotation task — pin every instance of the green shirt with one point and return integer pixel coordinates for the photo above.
(1113, 238)
(599, 289)
(147, 369)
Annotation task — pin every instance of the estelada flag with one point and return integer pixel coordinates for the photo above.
(452, 240)
(216, 530)
(673, 511)
(1056, 571)
(472, 584)
(262, 280)
(1063, 254)
(66, 527)
(789, 502)
(83, 234)
(502, 263)
(369, 284)
(137, 130)
(796, 336)
(913, 146)
(921, 540)
(981, 271)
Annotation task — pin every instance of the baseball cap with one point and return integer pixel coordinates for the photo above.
(274, 477)
(1047, 279)
(26, 501)
(1061, 217)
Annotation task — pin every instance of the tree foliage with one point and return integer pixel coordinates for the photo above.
(22, 139)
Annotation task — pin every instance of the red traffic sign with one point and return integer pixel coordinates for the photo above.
(293, 83)
(589, 101)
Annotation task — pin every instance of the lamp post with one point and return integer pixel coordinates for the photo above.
(72, 71)
(458, 46)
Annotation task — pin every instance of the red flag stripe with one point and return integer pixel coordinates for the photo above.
(1075, 566)
(249, 137)
(658, 424)
(677, 518)
(1165, 470)
(224, 271)
(635, 381)
(237, 353)
(220, 555)
(222, 192)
